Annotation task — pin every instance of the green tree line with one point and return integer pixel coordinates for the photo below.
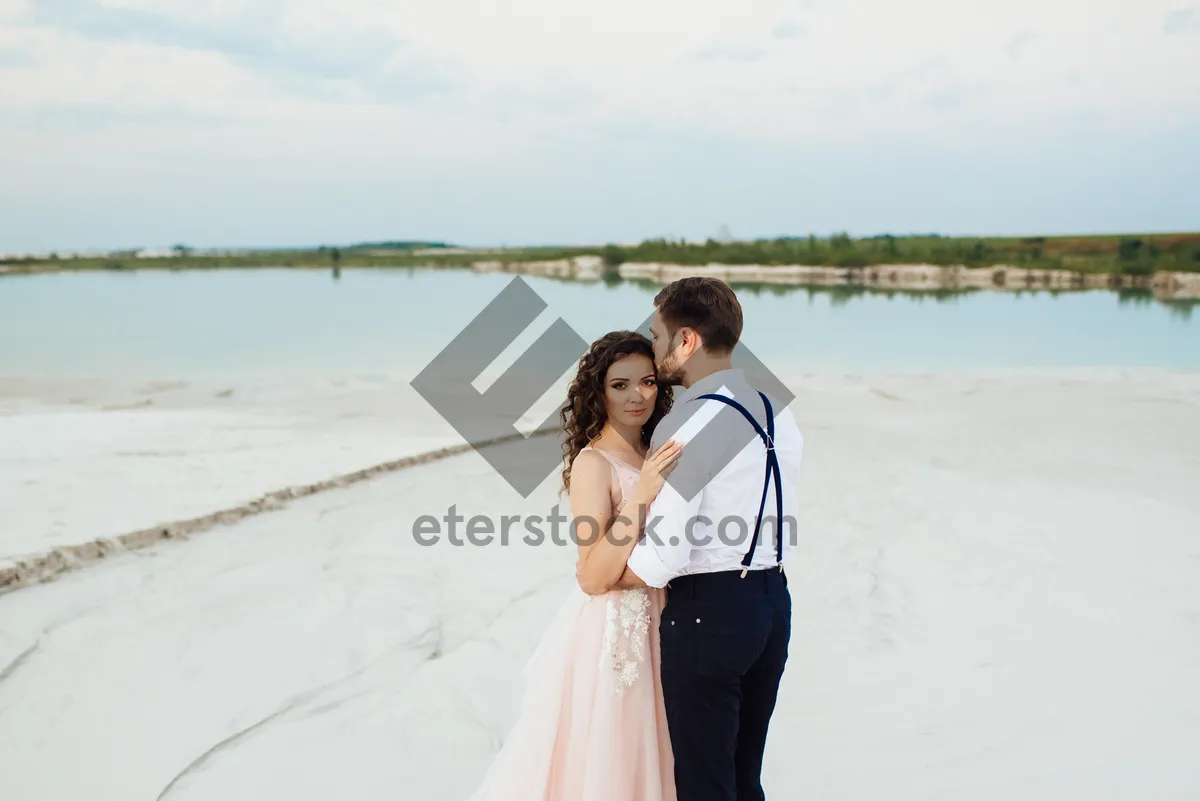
(1139, 255)
(1131, 255)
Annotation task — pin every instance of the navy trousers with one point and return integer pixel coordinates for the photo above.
(724, 646)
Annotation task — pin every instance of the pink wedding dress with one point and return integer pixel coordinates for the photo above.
(592, 726)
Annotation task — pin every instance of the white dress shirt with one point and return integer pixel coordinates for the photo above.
(725, 467)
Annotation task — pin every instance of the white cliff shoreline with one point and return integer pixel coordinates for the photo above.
(911, 277)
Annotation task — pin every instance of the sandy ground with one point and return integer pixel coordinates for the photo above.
(997, 596)
(80, 460)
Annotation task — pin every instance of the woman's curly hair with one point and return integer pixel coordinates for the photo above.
(584, 414)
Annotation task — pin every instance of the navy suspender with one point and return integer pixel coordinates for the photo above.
(768, 438)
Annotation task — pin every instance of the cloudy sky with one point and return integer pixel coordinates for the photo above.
(290, 122)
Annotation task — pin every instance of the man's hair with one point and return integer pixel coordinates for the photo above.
(706, 305)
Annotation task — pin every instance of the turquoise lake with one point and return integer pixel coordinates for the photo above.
(277, 321)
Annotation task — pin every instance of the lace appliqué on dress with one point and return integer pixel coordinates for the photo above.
(632, 619)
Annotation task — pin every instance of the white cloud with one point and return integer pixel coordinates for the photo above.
(777, 63)
(365, 87)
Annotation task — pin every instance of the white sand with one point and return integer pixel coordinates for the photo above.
(80, 460)
(997, 596)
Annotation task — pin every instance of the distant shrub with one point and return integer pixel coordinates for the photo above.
(1138, 268)
(840, 241)
(849, 258)
(1129, 249)
(613, 256)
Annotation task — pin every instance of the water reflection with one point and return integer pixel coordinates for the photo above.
(1180, 309)
(843, 294)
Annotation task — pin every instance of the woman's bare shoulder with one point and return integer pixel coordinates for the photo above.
(589, 463)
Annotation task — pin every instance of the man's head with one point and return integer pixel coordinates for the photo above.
(697, 323)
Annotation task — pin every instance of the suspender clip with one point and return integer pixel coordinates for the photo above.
(745, 570)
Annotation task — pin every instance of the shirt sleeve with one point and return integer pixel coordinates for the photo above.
(673, 523)
(670, 530)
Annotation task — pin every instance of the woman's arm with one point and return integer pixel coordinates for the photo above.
(605, 546)
(591, 509)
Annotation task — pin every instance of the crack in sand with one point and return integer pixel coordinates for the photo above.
(47, 566)
(199, 761)
(14, 665)
(296, 702)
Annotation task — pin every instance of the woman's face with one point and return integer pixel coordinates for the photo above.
(630, 390)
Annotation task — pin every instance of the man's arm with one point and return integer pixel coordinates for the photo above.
(667, 546)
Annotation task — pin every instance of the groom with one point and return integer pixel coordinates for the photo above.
(718, 546)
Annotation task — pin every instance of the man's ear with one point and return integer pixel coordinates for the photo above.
(689, 342)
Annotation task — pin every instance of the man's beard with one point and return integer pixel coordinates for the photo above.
(670, 374)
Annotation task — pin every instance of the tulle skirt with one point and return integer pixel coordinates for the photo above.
(592, 726)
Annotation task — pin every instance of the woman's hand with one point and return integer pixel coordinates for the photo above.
(655, 470)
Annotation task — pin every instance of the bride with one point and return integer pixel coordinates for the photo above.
(592, 725)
